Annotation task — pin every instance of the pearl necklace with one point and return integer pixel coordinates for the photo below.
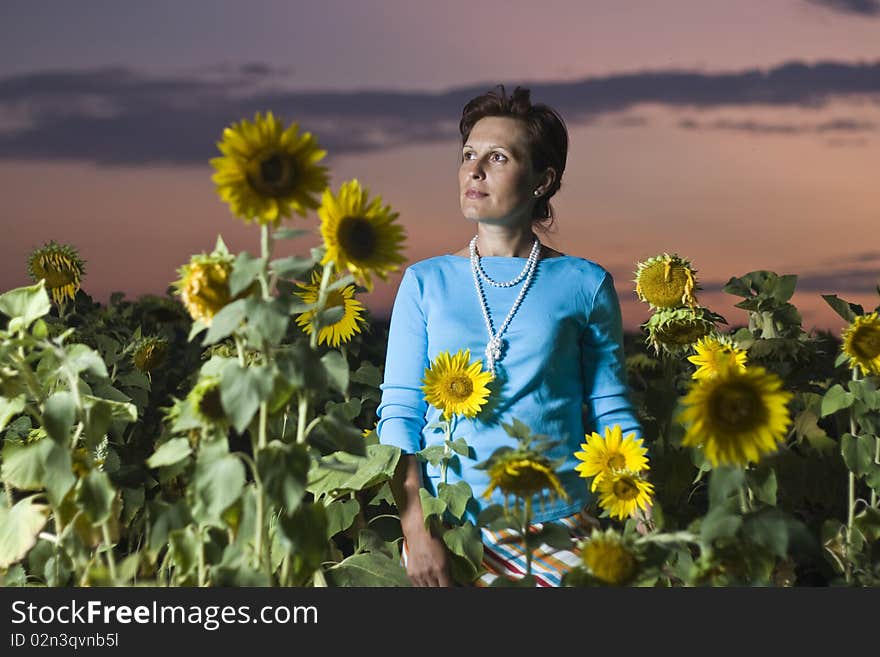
(495, 344)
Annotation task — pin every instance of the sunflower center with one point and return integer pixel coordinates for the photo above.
(664, 285)
(334, 299)
(625, 489)
(736, 407)
(617, 461)
(272, 174)
(460, 387)
(358, 238)
(210, 404)
(866, 342)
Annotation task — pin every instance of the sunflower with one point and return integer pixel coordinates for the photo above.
(360, 236)
(346, 326)
(267, 171)
(861, 342)
(60, 266)
(602, 456)
(608, 558)
(455, 385)
(205, 400)
(714, 353)
(621, 492)
(203, 285)
(523, 474)
(666, 281)
(674, 330)
(736, 416)
(149, 353)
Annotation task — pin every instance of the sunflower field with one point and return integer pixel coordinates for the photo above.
(224, 435)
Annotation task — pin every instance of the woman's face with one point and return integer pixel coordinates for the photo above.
(496, 182)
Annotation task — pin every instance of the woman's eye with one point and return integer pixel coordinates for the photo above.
(500, 157)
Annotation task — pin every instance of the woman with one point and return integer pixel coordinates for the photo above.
(547, 324)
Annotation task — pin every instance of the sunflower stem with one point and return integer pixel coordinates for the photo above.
(264, 421)
(322, 301)
(876, 462)
(239, 347)
(265, 252)
(111, 561)
(301, 413)
(527, 517)
(851, 506)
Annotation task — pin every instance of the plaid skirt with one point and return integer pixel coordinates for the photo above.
(504, 553)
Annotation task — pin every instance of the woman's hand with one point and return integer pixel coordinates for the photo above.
(427, 561)
(644, 520)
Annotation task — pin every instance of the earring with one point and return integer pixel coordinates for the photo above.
(537, 192)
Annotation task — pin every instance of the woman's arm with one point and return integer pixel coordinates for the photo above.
(427, 560)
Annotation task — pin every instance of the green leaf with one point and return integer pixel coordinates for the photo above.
(303, 535)
(349, 409)
(738, 287)
(340, 515)
(292, 267)
(218, 483)
(26, 303)
(868, 522)
(184, 548)
(872, 478)
(806, 426)
(431, 505)
(169, 453)
(433, 454)
(368, 374)
(19, 528)
(460, 446)
(302, 367)
(456, 496)
(241, 391)
(330, 316)
(465, 541)
(81, 358)
(38, 465)
(267, 319)
(336, 432)
(768, 528)
(120, 410)
(59, 413)
(762, 482)
(555, 535)
(858, 453)
(723, 482)
(225, 322)
(99, 417)
(720, 522)
(284, 470)
(841, 307)
(337, 370)
(23, 464)
(342, 473)
(95, 495)
(9, 408)
(835, 399)
(244, 270)
(368, 569)
(288, 233)
(784, 287)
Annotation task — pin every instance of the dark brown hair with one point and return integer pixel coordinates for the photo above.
(546, 134)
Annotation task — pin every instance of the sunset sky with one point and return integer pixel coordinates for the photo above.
(741, 135)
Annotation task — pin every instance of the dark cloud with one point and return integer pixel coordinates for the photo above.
(861, 7)
(765, 128)
(118, 116)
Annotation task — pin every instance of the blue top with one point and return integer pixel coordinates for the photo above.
(561, 373)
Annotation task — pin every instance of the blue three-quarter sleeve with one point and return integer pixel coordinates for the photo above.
(606, 392)
(403, 406)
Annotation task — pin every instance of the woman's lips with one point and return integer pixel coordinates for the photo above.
(473, 193)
